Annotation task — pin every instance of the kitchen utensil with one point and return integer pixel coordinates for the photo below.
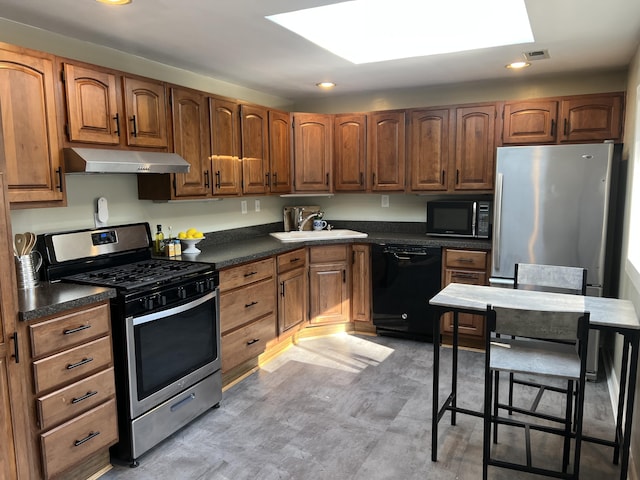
(20, 242)
(30, 242)
(27, 270)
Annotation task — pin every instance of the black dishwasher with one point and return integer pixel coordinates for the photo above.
(404, 278)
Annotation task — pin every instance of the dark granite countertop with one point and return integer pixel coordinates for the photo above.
(53, 298)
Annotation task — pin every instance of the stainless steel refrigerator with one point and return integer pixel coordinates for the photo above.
(552, 205)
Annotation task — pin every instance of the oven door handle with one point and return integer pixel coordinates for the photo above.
(172, 311)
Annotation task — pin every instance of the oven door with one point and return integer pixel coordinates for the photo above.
(170, 350)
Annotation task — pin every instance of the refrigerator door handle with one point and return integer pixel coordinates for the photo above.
(497, 230)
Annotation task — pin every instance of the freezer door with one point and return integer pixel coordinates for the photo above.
(551, 206)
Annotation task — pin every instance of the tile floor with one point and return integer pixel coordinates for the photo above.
(353, 407)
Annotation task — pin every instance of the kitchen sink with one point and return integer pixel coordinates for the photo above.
(304, 236)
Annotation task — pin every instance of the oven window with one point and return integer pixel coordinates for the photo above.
(456, 219)
(169, 348)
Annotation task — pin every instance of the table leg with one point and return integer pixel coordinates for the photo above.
(436, 386)
(633, 371)
(622, 394)
(454, 373)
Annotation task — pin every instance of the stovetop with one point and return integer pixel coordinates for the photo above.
(145, 273)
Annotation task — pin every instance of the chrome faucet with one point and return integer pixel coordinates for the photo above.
(302, 221)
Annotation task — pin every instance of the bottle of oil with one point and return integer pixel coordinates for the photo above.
(159, 243)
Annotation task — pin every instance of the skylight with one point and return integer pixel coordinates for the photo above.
(365, 31)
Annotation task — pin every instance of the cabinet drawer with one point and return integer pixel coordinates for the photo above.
(246, 274)
(328, 253)
(69, 330)
(466, 259)
(468, 277)
(247, 342)
(246, 304)
(291, 260)
(71, 442)
(71, 365)
(75, 399)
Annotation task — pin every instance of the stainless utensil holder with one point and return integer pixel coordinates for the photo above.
(27, 269)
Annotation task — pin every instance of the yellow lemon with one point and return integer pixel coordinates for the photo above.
(182, 235)
(191, 231)
(198, 235)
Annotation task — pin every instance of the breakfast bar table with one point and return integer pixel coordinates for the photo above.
(609, 314)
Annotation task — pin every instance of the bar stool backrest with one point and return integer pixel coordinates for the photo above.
(552, 278)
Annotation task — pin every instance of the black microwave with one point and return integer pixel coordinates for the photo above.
(459, 218)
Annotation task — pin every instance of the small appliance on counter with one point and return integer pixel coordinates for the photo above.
(459, 218)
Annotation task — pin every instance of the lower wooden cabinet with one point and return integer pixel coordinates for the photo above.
(470, 267)
(293, 287)
(329, 300)
(361, 287)
(73, 391)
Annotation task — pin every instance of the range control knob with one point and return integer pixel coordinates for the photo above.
(149, 302)
(182, 293)
(200, 287)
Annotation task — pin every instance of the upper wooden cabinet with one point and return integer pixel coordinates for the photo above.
(583, 118)
(475, 146)
(429, 150)
(29, 129)
(386, 150)
(255, 148)
(349, 152)
(225, 148)
(96, 112)
(279, 174)
(313, 147)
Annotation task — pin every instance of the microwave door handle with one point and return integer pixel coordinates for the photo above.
(497, 232)
(474, 216)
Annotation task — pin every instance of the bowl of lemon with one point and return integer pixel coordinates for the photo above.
(190, 239)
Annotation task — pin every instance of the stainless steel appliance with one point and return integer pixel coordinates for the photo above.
(165, 327)
(459, 218)
(404, 278)
(554, 205)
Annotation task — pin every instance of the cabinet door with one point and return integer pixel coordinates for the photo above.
(475, 147)
(92, 105)
(361, 283)
(386, 150)
(255, 148)
(292, 299)
(429, 150)
(145, 105)
(191, 141)
(470, 325)
(591, 118)
(530, 122)
(312, 143)
(349, 152)
(28, 128)
(225, 147)
(279, 152)
(328, 293)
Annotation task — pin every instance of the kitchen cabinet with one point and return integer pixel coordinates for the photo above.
(429, 150)
(101, 111)
(279, 174)
(386, 150)
(312, 147)
(581, 118)
(255, 148)
(475, 145)
(361, 287)
(292, 290)
(470, 267)
(28, 123)
(15, 455)
(329, 289)
(226, 170)
(73, 384)
(349, 152)
(247, 311)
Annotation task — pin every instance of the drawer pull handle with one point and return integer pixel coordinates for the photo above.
(251, 342)
(247, 305)
(249, 274)
(182, 402)
(465, 260)
(295, 259)
(81, 362)
(74, 330)
(465, 275)
(84, 397)
(77, 443)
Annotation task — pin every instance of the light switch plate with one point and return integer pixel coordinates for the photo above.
(257, 204)
(243, 206)
(385, 201)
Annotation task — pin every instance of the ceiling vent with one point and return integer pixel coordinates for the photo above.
(536, 55)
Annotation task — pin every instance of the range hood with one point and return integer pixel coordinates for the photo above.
(97, 160)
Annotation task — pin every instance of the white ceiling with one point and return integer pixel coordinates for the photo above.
(231, 40)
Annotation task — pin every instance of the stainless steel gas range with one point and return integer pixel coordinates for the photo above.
(165, 328)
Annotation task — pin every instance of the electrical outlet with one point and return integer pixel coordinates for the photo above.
(257, 204)
(385, 201)
(243, 206)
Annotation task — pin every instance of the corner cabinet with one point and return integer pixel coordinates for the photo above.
(329, 294)
(313, 150)
(28, 124)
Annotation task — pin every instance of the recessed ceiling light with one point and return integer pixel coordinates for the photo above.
(518, 65)
(325, 84)
(115, 2)
(378, 30)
